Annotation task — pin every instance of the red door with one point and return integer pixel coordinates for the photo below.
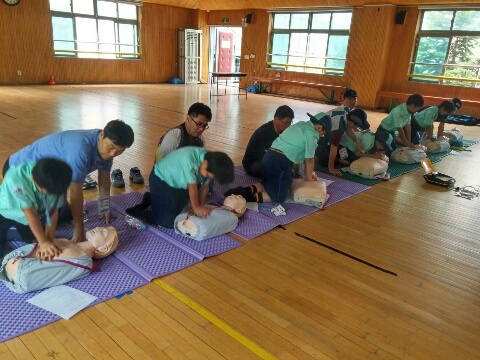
(225, 52)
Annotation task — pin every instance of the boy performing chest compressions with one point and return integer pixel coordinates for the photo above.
(295, 145)
(23, 270)
(175, 180)
(30, 195)
(84, 151)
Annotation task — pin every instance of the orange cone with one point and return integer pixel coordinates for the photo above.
(51, 81)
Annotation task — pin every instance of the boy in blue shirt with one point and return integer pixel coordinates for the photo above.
(30, 196)
(85, 151)
(175, 180)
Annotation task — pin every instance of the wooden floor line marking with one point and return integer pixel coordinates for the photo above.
(10, 116)
(249, 344)
(347, 255)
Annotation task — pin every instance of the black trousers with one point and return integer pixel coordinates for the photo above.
(24, 231)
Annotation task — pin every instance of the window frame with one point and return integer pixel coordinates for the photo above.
(119, 55)
(451, 33)
(304, 68)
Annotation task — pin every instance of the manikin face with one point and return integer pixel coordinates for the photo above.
(103, 239)
(107, 149)
(237, 203)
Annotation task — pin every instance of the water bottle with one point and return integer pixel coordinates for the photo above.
(134, 222)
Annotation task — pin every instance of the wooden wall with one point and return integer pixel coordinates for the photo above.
(379, 53)
(26, 45)
(378, 56)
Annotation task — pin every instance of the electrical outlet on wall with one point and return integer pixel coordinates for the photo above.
(246, 57)
(19, 72)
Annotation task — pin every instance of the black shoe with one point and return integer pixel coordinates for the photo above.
(136, 176)
(117, 178)
(146, 200)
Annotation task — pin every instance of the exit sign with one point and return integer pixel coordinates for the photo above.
(225, 20)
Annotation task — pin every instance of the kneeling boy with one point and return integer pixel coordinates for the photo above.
(30, 196)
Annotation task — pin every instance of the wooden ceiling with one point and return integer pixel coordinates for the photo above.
(267, 4)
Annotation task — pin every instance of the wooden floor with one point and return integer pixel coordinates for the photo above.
(278, 296)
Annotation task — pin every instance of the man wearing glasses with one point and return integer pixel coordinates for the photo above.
(262, 140)
(189, 133)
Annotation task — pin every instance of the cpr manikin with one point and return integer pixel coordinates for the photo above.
(22, 271)
(220, 221)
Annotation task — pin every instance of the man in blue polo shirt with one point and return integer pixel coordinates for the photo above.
(85, 151)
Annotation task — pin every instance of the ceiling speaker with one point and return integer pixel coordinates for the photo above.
(400, 17)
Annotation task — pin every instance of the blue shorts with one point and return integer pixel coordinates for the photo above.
(278, 175)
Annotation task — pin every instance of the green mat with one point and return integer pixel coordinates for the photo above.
(394, 168)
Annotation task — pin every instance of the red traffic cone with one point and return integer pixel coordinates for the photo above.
(51, 81)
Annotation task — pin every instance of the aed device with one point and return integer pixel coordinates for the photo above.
(434, 177)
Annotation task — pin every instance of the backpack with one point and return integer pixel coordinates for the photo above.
(462, 120)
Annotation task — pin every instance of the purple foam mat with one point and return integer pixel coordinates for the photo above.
(93, 221)
(19, 317)
(210, 247)
(336, 196)
(125, 201)
(293, 211)
(151, 255)
(342, 184)
(253, 224)
(142, 250)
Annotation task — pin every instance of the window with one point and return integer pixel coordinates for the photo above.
(95, 29)
(448, 48)
(313, 42)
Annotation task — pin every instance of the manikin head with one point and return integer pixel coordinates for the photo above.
(236, 204)
(104, 240)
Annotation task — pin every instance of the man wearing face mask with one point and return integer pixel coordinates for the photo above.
(85, 151)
